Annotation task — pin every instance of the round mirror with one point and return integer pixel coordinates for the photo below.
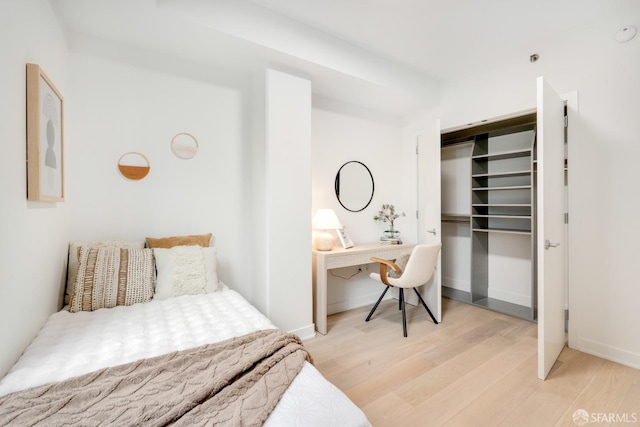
(354, 186)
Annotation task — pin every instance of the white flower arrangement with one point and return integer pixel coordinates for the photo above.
(388, 215)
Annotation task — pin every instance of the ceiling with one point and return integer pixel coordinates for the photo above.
(388, 55)
(440, 37)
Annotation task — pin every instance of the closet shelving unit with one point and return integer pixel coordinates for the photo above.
(502, 202)
(502, 185)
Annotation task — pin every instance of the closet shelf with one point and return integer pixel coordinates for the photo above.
(511, 154)
(502, 174)
(503, 216)
(456, 218)
(502, 230)
(503, 205)
(507, 187)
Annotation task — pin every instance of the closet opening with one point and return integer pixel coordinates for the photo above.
(489, 215)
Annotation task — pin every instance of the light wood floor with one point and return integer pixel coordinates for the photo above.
(476, 368)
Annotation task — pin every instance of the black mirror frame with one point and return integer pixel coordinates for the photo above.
(336, 186)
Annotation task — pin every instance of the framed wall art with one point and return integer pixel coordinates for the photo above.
(45, 135)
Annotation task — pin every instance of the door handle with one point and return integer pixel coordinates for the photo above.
(548, 244)
(432, 231)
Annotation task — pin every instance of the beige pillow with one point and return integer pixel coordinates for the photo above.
(111, 276)
(74, 251)
(188, 240)
(185, 270)
(400, 262)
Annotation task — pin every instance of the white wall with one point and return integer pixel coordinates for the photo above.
(256, 198)
(232, 188)
(35, 234)
(339, 137)
(117, 107)
(603, 153)
(288, 189)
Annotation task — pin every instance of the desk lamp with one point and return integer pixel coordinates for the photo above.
(323, 220)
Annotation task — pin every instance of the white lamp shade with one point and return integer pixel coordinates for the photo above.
(326, 219)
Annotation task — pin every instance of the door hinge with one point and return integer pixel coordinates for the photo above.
(417, 215)
(566, 320)
(416, 149)
(566, 121)
(566, 218)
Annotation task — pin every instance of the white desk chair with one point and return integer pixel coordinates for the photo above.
(418, 271)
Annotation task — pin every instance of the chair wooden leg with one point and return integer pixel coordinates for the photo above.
(386, 288)
(404, 314)
(425, 306)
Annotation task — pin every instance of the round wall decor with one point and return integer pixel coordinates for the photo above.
(134, 165)
(184, 145)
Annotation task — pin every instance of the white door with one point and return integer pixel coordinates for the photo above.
(428, 143)
(550, 226)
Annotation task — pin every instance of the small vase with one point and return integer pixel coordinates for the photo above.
(392, 234)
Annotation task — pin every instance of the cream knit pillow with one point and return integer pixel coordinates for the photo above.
(185, 270)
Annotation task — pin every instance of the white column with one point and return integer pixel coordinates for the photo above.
(288, 202)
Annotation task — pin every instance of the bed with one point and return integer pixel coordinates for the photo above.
(193, 340)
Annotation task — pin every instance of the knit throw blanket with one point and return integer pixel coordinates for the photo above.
(236, 382)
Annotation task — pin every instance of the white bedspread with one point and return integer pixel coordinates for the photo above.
(72, 344)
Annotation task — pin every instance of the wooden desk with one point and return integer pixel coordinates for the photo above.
(339, 257)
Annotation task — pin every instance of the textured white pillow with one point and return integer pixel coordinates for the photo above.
(185, 270)
(111, 276)
(74, 251)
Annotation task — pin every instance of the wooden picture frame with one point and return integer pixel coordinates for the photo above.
(45, 138)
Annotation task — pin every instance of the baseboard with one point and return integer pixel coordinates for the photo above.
(305, 333)
(512, 297)
(618, 355)
(456, 284)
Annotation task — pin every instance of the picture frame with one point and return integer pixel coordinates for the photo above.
(45, 138)
(344, 238)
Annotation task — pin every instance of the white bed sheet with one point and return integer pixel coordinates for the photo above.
(72, 344)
